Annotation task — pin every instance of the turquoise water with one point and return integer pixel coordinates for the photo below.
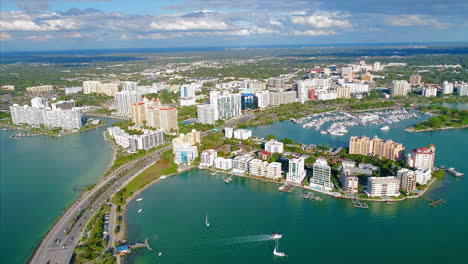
(39, 176)
(244, 213)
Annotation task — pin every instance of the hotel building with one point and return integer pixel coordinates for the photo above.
(422, 158)
(376, 147)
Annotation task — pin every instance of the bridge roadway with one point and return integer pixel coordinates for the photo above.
(58, 245)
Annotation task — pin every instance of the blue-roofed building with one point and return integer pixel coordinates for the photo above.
(124, 249)
(249, 101)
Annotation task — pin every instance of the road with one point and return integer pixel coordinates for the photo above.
(59, 244)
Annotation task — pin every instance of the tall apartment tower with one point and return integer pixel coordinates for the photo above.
(296, 170)
(321, 174)
(399, 88)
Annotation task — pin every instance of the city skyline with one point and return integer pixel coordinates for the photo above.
(98, 24)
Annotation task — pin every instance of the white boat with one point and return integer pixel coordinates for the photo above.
(336, 133)
(384, 128)
(323, 132)
(276, 252)
(163, 177)
(276, 236)
(139, 211)
(160, 254)
(207, 223)
(139, 199)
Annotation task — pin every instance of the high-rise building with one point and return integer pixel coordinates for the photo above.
(242, 134)
(124, 101)
(208, 157)
(227, 105)
(399, 88)
(152, 114)
(279, 98)
(447, 88)
(129, 86)
(302, 88)
(64, 105)
(223, 163)
(321, 175)
(296, 171)
(276, 82)
(347, 72)
(377, 66)
(462, 89)
(187, 90)
(382, 186)
(249, 101)
(206, 114)
(191, 138)
(415, 79)
(274, 146)
(376, 147)
(258, 168)
(36, 116)
(185, 154)
(109, 89)
(423, 176)
(407, 180)
(422, 158)
(240, 164)
(263, 99)
(73, 90)
(149, 139)
(274, 170)
(429, 92)
(38, 102)
(229, 132)
(343, 92)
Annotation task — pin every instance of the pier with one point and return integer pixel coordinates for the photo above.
(142, 245)
(434, 203)
(358, 204)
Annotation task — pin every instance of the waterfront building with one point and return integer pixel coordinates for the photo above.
(223, 163)
(382, 187)
(206, 114)
(120, 136)
(258, 168)
(350, 183)
(274, 171)
(228, 132)
(399, 88)
(64, 105)
(462, 89)
(124, 101)
(423, 176)
(279, 98)
(422, 158)
(73, 90)
(429, 91)
(208, 157)
(149, 139)
(129, 86)
(415, 79)
(407, 180)
(263, 99)
(447, 88)
(191, 138)
(242, 134)
(376, 147)
(343, 92)
(185, 154)
(240, 164)
(249, 101)
(348, 176)
(274, 146)
(40, 88)
(7, 87)
(36, 116)
(227, 105)
(321, 175)
(296, 172)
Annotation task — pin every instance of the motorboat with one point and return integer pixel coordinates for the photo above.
(139, 199)
(207, 223)
(139, 211)
(276, 236)
(278, 253)
(384, 128)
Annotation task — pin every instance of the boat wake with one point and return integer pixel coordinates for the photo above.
(245, 239)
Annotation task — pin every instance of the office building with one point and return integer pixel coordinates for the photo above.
(185, 154)
(415, 79)
(40, 88)
(129, 86)
(223, 163)
(422, 158)
(399, 88)
(429, 92)
(191, 138)
(383, 187)
(296, 172)
(242, 134)
(206, 114)
(249, 101)
(73, 90)
(447, 88)
(321, 175)
(229, 132)
(226, 105)
(407, 180)
(124, 101)
(208, 157)
(274, 146)
(376, 147)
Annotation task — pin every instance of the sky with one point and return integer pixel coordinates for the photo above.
(28, 25)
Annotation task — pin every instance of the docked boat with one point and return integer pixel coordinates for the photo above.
(323, 132)
(336, 133)
(207, 223)
(385, 128)
(139, 199)
(276, 251)
(228, 180)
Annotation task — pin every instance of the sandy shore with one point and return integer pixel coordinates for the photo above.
(412, 130)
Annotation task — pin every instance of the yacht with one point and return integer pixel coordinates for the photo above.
(207, 223)
(139, 211)
(323, 132)
(139, 199)
(384, 128)
(276, 252)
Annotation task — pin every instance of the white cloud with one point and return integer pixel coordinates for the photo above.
(40, 37)
(75, 35)
(321, 20)
(124, 37)
(181, 23)
(21, 21)
(4, 36)
(313, 32)
(415, 20)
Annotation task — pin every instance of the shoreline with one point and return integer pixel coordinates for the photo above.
(29, 130)
(412, 130)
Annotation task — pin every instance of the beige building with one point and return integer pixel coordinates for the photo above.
(376, 147)
(152, 114)
(367, 77)
(40, 89)
(8, 87)
(191, 138)
(407, 180)
(109, 89)
(399, 88)
(415, 79)
(343, 92)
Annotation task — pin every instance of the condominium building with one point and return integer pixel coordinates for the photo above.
(382, 186)
(347, 72)
(423, 176)
(152, 114)
(274, 171)
(242, 134)
(187, 90)
(226, 105)
(276, 82)
(208, 157)
(258, 168)
(206, 114)
(129, 86)
(64, 105)
(7, 87)
(223, 163)
(399, 88)
(321, 175)
(228, 132)
(429, 92)
(302, 88)
(296, 172)
(109, 89)
(326, 95)
(357, 87)
(377, 66)
(348, 176)
(343, 92)
(447, 88)
(191, 138)
(279, 98)
(407, 180)
(185, 154)
(249, 101)
(263, 99)
(376, 147)
(415, 79)
(35, 116)
(124, 101)
(39, 102)
(240, 164)
(422, 158)
(40, 88)
(274, 146)
(73, 90)
(462, 89)
(149, 139)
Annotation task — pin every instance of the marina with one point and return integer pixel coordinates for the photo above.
(20, 135)
(308, 195)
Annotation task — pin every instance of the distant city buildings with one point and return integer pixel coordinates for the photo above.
(227, 105)
(152, 114)
(206, 114)
(129, 86)
(415, 79)
(191, 138)
(109, 89)
(40, 88)
(462, 89)
(376, 147)
(399, 88)
(242, 134)
(383, 187)
(422, 158)
(73, 90)
(321, 175)
(447, 88)
(7, 87)
(429, 91)
(124, 101)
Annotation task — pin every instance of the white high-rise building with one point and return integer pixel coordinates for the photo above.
(129, 86)
(109, 89)
(227, 105)
(382, 186)
(73, 90)
(240, 164)
(185, 154)
(206, 114)
(228, 132)
(462, 89)
(407, 180)
(422, 158)
(296, 172)
(208, 157)
(242, 134)
(377, 66)
(423, 176)
(399, 88)
(38, 102)
(274, 146)
(447, 88)
(263, 99)
(124, 101)
(274, 171)
(223, 163)
(187, 90)
(429, 92)
(321, 176)
(36, 116)
(303, 88)
(149, 139)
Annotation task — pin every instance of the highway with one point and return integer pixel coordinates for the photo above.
(58, 245)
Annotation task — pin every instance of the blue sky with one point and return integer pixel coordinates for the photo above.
(88, 24)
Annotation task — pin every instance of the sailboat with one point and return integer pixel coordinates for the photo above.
(276, 252)
(207, 223)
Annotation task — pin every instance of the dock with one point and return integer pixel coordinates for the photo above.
(142, 245)
(434, 203)
(454, 172)
(358, 204)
